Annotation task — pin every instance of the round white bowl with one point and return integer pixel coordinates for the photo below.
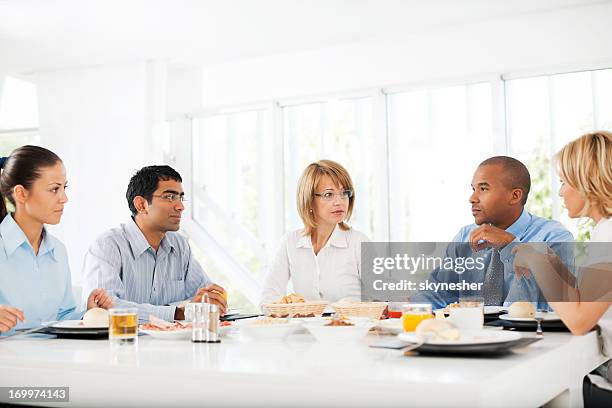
(267, 332)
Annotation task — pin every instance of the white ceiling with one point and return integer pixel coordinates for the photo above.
(39, 35)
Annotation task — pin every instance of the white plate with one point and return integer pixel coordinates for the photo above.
(168, 335)
(181, 334)
(547, 317)
(339, 334)
(494, 309)
(75, 324)
(251, 331)
(392, 325)
(468, 337)
(488, 310)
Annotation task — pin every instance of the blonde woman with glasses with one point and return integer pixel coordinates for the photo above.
(323, 259)
(585, 169)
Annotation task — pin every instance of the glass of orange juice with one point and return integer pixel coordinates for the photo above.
(415, 313)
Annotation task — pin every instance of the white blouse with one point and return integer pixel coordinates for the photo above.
(331, 275)
(603, 233)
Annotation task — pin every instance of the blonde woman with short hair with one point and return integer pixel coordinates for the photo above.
(323, 259)
(585, 169)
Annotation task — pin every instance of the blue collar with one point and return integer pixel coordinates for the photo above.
(519, 227)
(14, 237)
(139, 243)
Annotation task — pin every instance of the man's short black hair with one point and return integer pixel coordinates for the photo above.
(515, 173)
(145, 181)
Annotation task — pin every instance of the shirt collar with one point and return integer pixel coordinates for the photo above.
(139, 243)
(337, 239)
(520, 225)
(14, 237)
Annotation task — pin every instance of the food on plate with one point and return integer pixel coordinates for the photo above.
(450, 306)
(437, 330)
(172, 327)
(298, 315)
(521, 309)
(269, 321)
(157, 324)
(292, 298)
(339, 323)
(96, 317)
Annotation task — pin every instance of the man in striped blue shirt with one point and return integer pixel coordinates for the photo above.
(145, 263)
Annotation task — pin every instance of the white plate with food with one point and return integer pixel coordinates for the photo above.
(488, 310)
(340, 330)
(391, 325)
(267, 328)
(545, 316)
(77, 325)
(160, 329)
(466, 337)
(168, 334)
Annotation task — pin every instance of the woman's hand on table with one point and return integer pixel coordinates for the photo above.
(9, 316)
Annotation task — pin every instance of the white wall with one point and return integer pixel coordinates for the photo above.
(96, 120)
(575, 37)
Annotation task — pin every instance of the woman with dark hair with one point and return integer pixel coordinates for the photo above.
(35, 284)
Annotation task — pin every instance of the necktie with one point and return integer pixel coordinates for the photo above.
(494, 281)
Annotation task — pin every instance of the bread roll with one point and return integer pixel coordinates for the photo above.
(96, 317)
(521, 310)
(435, 329)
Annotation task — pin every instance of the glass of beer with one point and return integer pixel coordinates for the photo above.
(415, 313)
(123, 325)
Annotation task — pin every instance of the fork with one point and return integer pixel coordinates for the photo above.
(30, 331)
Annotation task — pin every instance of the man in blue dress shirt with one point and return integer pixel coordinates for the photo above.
(144, 263)
(500, 187)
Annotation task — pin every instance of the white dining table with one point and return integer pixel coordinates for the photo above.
(298, 371)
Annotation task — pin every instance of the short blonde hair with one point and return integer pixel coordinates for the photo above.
(309, 180)
(586, 165)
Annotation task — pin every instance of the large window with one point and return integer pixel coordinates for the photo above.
(18, 114)
(437, 137)
(340, 130)
(543, 114)
(411, 154)
(230, 190)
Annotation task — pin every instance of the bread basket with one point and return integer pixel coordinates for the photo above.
(291, 309)
(373, 310)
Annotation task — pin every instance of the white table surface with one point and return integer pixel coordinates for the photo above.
(298, 372)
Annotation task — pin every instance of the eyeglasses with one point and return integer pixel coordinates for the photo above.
(171, 197)
(328, 195)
